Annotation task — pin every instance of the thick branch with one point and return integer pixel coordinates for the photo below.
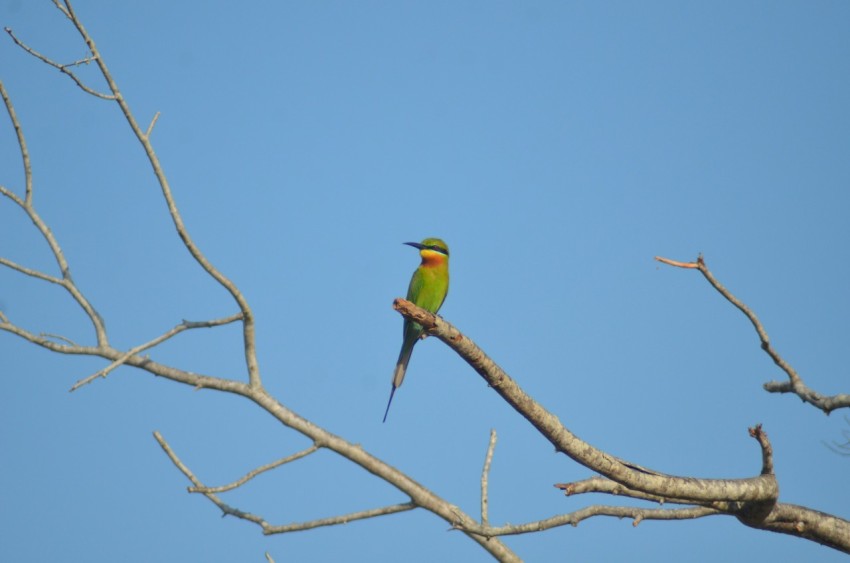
(755, 489)
(752, 500)
(795, 383)
(806, 523)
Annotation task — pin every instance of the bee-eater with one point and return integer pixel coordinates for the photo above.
(428, 288)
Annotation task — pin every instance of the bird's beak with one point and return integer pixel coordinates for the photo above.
(415, 245)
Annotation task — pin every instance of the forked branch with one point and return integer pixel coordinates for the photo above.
(753, 500)
(795, 383)
(248, 327)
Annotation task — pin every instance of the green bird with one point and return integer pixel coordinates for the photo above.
(428, 289)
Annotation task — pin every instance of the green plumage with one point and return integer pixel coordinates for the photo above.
(428, 289)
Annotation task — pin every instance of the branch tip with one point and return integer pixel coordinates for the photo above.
(678, 264)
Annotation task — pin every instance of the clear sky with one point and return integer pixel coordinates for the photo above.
(556, 146)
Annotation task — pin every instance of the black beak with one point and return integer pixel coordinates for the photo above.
(415, 245)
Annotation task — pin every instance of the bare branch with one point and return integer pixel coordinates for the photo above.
(806, 523)
(62, 68)
(66, 281)
(225, 508)
(44, 341)
(485, 475)
(251, 474)
(341, 519)
(766, 449)
(267, 528)
(29, 272)
(151, 126)
(598, 484)
(248, 325)
(573, 518)
(676, 263)
(22, 143)
(754, 489)
(64, 339)
(61, 8)
(795, 383)
(185, 325)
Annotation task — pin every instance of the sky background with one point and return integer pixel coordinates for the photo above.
(556, 146)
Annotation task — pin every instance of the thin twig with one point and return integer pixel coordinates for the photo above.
(62, 68)
(151, 126)
(795, 383)
(185, 325)
(573, 518)
(766, 449)
(485, 476)
(64, 339)
(267, 528)
(22, 143)
(66, 281)
(341, 519)
(29, 272)
(599, 484)
(224, 507)
(677, 263)
(61, 8)
(250, 475)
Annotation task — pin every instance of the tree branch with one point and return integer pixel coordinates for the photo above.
(66, 281)
(795, 383)
(251, 474)
(573, 518)
(341, 519)
(22, 143)
(185, 325)
(224, 507)
(754, 489)
(62, 68)
(753, 501)
(248, 328)
(485, 476)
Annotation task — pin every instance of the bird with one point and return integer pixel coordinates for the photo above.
(428, 289)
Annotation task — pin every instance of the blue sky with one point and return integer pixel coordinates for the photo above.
(557, 147)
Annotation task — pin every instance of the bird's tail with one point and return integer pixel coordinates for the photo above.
(400, 369)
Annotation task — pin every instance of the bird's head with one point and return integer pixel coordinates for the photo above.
(432, 250)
